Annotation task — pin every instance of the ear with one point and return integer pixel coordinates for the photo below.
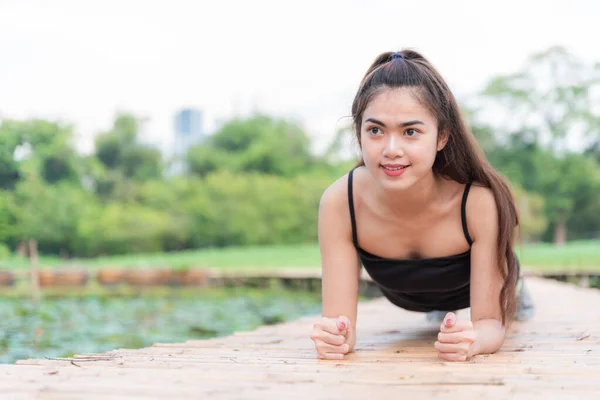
(442, 139)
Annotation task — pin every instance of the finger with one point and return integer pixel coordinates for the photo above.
(457, 337)
(458, 326)
(331, 356)
(459, 348)
(323, 347)
(452, 357)
(449, 319)
(328, 325)
(330, 338)
(343, 324)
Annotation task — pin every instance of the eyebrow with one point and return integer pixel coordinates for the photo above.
(402, 125)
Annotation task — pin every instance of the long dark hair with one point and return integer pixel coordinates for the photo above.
(461, 160)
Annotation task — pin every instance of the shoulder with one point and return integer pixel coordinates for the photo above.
(334, 210)
(335, 197)
(481, 199)
(482, 211)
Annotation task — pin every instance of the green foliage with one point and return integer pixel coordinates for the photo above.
(255, 181)
(123, 160)
(6, 223)
(4, 252)
(117, 228)
(50, 213)
(551, 95)
(548, 100)
(258, 144)
(54, 158)
(252, 209)
(10, 139)
(531, 214)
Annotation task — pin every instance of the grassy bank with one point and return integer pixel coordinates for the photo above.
(574, 256)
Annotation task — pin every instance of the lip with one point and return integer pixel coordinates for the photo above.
(397, 172)
(394, 165)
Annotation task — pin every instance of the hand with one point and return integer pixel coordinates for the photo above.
(331, 337)
(455, 339)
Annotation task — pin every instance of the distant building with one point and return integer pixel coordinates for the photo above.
(189, 131)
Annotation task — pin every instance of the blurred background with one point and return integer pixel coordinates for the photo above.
(148, 149)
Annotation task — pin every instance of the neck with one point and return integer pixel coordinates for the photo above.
(415, 200)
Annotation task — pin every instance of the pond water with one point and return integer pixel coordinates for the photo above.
(61, 327)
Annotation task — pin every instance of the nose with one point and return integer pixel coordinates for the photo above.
(393, 147)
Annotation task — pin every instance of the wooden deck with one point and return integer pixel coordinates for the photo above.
(554, 356)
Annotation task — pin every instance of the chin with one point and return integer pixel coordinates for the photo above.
(404, 181)
(392, 186)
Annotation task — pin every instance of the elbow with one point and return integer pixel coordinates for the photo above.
(489, 336)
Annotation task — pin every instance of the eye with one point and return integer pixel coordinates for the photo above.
(374, 131)
(414, 132)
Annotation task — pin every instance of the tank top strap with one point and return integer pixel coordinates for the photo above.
(463, 213)
(351, 206)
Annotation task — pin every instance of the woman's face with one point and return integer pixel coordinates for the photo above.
(399, 138)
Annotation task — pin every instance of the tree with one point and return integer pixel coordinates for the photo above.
(49, 214)
(123, 159)
(260, 143)
(47, 145)
(570, 185)
(546, 103)
(10, 140)
(6, 218)
(552, 95)
(533, 221)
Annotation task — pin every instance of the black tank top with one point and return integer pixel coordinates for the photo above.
(428, 284)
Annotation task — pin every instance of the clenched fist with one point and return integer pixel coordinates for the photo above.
(455, 339)
(333, 337)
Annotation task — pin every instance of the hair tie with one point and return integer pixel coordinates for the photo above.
(397, 55)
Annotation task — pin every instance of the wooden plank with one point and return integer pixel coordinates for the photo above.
(556, 354)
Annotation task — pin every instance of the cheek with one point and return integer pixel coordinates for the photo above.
(369, 150)
(421, 152)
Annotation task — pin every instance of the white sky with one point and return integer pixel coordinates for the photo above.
(80, 61)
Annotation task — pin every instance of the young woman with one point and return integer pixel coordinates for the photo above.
(424, 212)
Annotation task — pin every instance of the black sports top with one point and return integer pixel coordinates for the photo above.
(428, 284)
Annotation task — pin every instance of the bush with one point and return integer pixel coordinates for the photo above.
(4, 252)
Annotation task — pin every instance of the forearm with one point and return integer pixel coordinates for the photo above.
(489, 336)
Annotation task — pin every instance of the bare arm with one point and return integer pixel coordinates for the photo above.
(486, 280)
(339, 260)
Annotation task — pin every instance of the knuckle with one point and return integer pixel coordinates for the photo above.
(315, 334)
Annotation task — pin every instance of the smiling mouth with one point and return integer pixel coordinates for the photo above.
(395, 168)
